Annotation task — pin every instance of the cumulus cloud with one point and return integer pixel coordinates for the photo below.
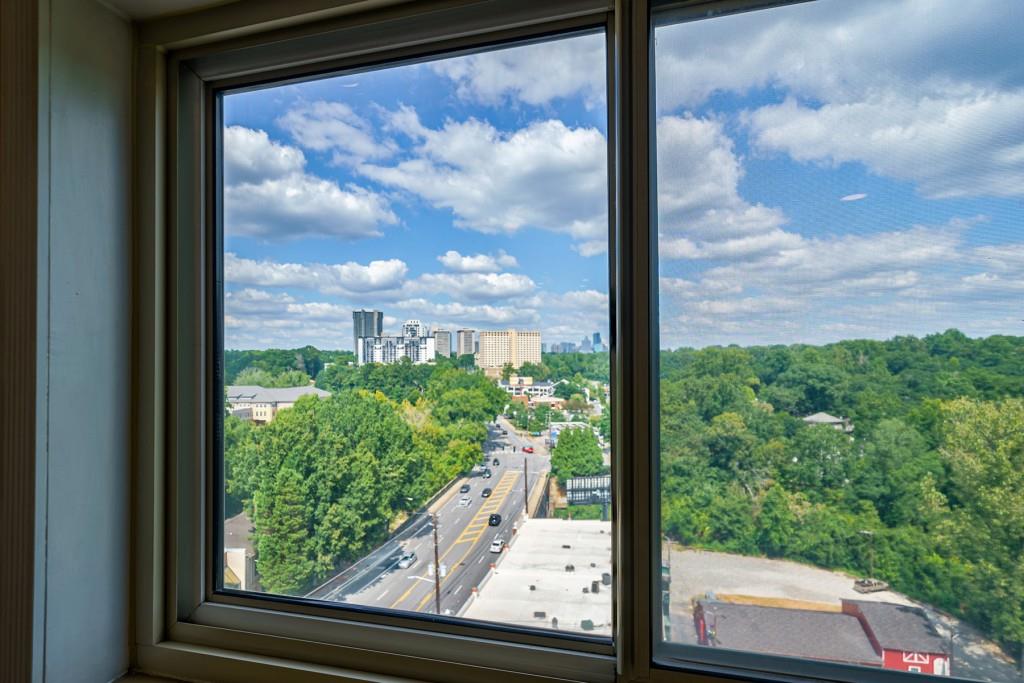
(547, 175)
(853, 197)
(950, 147)
(250, 156)
(535, 74)
(334, 127)
(700, 211)
(879, 82)
(476, 286)
(339, 279)
(268, 194)
(484, 315)
(477, 263)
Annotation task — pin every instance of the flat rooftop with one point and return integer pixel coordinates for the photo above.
(538, 557)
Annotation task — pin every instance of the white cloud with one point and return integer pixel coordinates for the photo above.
(484, 315)
(334, 127)
(302, 205)
(546, 175)
(268, 194)
(700, 211)
(591, 247)
(476, 286)
(477, 263)
(950, 147)
(535, 74)
(250, 156)
(342, 279)
(853, 197)
(928, 91)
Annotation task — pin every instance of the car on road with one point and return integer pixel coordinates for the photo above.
(497, 545)
(464, 488)
(504, 432)
(486, 493)
(407, 560)
(527, 449)
(534, 433)
(487, 474)
(495, 462)
(494, 520)
(464, 502)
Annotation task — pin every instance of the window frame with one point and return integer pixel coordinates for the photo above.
(183, 628)
(188, 612)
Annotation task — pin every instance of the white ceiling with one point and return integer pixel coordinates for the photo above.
(149, 9)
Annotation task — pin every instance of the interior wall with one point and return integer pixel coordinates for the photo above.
(85, 251)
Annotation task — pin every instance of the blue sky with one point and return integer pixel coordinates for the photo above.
(825, 171)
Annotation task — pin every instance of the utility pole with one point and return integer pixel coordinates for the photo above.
(526, 488)
(437, 570)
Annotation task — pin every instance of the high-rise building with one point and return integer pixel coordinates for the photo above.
(391, 349)
(366, 324)
(443, 342)
(464, 342)
(585, 345)
(508, 347)
(597, 341)
(413, 328)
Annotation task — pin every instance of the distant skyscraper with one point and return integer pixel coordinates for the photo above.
(544, 348)
(443, 342)
(366, 324)
(464, 342)
(597, 341)
(413, 329)
(586, 346)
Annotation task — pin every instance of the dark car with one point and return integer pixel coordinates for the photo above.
(487, 474)
(495, 462)
(486, 493)
(494, 520)
(464, 488)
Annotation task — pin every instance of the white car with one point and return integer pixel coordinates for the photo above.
(464, 502)
(407, 560)
(497, 545)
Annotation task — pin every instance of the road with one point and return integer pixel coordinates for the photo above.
(464, 536)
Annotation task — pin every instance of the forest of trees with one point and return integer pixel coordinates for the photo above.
(927, 492)
(325, 482)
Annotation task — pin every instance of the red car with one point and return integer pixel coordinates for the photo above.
(527, 449)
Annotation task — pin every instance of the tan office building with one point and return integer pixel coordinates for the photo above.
(512, 347)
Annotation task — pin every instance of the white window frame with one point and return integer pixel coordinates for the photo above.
(184, 629)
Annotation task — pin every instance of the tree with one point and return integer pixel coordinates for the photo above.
(506, 371)
(577, 454)
(285, 565)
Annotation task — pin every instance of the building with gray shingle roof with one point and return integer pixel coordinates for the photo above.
(810, 634)
(260, 404)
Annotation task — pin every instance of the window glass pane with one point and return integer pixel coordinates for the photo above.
(841, 262)
(416, 319)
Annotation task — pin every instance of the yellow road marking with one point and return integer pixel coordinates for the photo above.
(511, 476)
(470, 534)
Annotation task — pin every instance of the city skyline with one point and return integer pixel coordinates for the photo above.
(366, 189)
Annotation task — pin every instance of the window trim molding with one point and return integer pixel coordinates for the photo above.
(174, 610)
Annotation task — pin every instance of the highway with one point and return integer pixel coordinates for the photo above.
(464, 536)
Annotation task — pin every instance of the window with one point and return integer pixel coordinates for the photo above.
(839, 231)
(418, 251)
(416, 303)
